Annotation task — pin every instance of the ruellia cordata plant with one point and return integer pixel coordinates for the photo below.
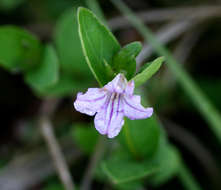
(142, 149)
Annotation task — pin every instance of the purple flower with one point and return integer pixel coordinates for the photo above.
(110, 104)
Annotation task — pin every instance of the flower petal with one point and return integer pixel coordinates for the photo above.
(109, 119)
(133, 108)
(116, 125)
(90, 102)
(117, 85)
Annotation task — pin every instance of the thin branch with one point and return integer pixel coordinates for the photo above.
(57, 155)
(30, 169)
(160, 15)
(164, 35)
(183, 19)
(46, 127)
(98, 154)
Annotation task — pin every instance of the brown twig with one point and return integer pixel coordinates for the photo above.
(30, 169)
(182, 20)
(160, 15)
(164, 35)
(57, 155)
(46, 127)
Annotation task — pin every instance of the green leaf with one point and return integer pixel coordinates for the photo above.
(19, 50)
(68, 46)
(67, 85)
(124, 61)
(46, 73)
(85, 137)
(148, 72)
(121, 168)
(168, 159)
(140, 137)
(98, 44)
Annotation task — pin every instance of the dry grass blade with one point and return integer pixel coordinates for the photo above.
(161, 15)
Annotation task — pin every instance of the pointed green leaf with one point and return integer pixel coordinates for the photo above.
(19, 50)
(46, 73)
(98, 44)
(124, 61)
(148, 72)
(121, 168)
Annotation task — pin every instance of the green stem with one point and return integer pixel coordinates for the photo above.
(198, 98)
(187, 179)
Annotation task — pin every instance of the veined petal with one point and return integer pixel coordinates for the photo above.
(117, 85)
(133, 108)
(109, 119)
(90, 102)
(116, 125)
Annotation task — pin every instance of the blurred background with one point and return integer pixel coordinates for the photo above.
(190, 29)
